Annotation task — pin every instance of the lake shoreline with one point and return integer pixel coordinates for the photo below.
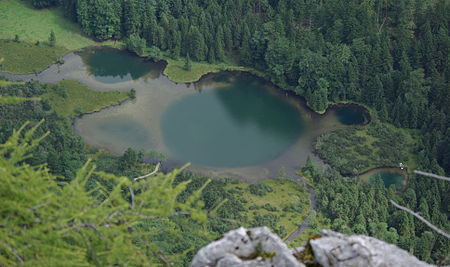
(404, 172)
(247, 70)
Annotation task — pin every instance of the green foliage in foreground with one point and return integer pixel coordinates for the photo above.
(358, 149)
(45, 223)
(22, 57)
(70, 98)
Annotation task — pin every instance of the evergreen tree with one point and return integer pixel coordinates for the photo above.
(187, 63)
(52, 39)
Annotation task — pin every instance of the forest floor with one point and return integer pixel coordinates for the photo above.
(72, 98)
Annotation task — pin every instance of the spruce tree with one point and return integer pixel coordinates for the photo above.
(52, 39)
(187, 63)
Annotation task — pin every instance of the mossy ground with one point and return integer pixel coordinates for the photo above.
(71, 98)
(285, 193)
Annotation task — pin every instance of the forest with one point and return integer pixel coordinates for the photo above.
(392, 56)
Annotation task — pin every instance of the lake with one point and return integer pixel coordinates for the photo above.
(230, 124)
(389, 176)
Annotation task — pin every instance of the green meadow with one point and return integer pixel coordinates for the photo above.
(72, 98)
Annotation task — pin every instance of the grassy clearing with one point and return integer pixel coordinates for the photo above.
(71, 98)
(22, 57)
(19, 17)
(175, 70)
(288, 201)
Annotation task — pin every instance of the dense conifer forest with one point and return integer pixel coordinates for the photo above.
(392, 56)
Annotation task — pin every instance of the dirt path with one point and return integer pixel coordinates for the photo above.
(312, 198)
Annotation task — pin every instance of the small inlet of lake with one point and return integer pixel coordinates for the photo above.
(388, 176)
(230, 124)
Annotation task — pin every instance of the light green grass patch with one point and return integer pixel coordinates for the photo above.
(22, 57)
(6, 83)
(19, 17)
(285, 193)
(175, 70)
(71, 98)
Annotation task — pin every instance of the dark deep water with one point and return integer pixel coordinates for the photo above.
(350, 115)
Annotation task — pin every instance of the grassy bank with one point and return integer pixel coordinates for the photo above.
(32, 26)
(19, 17)
(23, 57)
(71, 98)
(175, 70)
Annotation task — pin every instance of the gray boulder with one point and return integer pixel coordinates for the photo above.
(242, 247)
(259, 247)
(339, 250)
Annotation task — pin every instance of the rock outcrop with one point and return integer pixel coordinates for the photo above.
(260, 247)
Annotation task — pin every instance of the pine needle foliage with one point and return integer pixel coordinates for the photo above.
(46, 223)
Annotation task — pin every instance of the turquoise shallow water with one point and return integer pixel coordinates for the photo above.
(389, 178)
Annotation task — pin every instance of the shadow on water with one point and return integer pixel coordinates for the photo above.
(109, 65)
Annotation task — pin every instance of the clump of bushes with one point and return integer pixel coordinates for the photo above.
(260, 189)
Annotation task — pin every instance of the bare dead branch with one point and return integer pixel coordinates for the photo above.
(150, 174)
(132, 197)
(421, 218)
(432, 175)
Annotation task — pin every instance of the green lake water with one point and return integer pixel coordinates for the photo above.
(388, 176)
(229, 124)
(240, 124)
